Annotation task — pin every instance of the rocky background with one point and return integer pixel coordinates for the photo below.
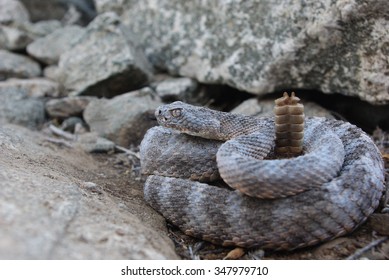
(80, 79)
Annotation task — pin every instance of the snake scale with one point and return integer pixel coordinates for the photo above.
(271, 203)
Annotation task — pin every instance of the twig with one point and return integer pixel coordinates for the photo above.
(127, 151)
(59, 132)
(59, 142)
(192, 254)
(369, 246)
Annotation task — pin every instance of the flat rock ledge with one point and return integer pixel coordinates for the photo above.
(49, 211)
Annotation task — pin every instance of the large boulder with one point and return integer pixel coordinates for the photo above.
(264, 46)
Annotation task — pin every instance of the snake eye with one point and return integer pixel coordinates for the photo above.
(175, 112)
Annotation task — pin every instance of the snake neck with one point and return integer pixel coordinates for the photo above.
(233, 125)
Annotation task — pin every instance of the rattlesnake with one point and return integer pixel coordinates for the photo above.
(325, 193)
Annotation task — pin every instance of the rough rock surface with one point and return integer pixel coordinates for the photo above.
(35, 87)
(49, 48)
(105, 61)
(18, 66)
(337, 46)
(59, 204)
(68, 106)
(123, 119)
(18, 108)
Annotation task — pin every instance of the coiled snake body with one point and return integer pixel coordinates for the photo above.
(279, 204)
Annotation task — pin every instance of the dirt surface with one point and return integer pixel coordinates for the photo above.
(59, 202)
(117, 174)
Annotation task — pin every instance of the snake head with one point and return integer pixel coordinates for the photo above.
(189, 119)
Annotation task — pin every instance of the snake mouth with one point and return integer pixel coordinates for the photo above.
(161, 118)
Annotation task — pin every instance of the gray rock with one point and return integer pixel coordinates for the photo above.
(18, 66)
(264, 108)
(16, 107)
(17, 35)
(68, 106)
(49, 48)
(12, 10)
(35, 87)
(123, 119)
(104, 62)
(41, 28)
(265, 46)
(54, 204)
(172, 89)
